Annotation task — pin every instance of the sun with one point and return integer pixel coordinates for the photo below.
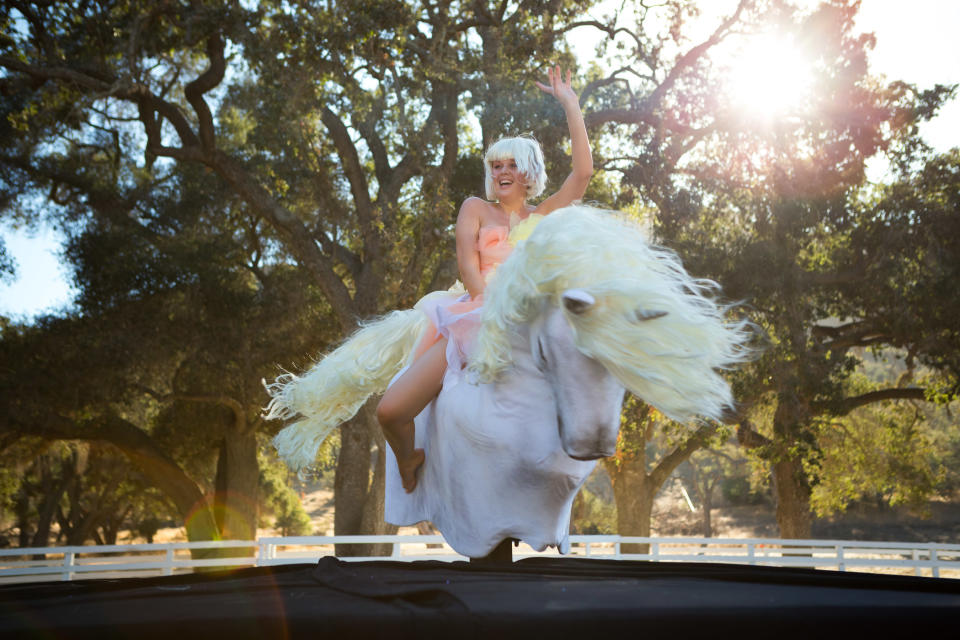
(770, 78)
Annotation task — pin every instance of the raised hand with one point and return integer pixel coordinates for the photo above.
(558, 88)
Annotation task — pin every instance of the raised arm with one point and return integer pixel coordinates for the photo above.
(576, 183)
(468, 255)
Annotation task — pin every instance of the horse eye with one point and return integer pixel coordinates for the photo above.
(541, 354)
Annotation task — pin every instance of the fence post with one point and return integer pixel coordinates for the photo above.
(757, 552)
(268, 551)
(68, 561)
(168, 562)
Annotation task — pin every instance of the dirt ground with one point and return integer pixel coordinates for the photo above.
(672, 517)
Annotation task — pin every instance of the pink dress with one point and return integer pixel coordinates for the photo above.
(458, 317)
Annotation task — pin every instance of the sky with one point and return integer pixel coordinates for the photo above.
(917, 42)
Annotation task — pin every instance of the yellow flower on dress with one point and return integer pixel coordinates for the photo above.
(521, 230)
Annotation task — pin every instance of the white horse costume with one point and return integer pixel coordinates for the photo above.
(499, 456)
(581, 309)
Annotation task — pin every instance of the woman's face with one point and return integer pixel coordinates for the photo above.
(508, 181)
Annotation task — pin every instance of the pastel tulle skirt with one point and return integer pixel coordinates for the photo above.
(456, 316)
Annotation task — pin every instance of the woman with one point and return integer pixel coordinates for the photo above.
(514, 172)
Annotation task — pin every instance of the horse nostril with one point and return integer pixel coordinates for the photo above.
(587, 458)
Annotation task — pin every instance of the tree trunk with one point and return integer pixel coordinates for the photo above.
(634, 489)
(351, 481)
(112, 523)
(793, 499)
(360, 498)
(220, 485)
(164, 474)
(634, 493)
(149, 459)
(706, 505)
(790, 482)
(51, 491)
(372, 520)
(238, 485)
(22, 509)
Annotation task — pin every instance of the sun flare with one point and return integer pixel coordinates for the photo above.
(770, 77)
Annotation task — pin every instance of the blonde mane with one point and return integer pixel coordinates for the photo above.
(660, 331)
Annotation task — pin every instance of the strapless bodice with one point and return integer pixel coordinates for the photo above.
(457, 315)
(493, 246)
(495, 242)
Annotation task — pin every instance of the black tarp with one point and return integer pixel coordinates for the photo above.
(532, 598)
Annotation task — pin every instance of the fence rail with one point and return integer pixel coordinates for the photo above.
(110, 561)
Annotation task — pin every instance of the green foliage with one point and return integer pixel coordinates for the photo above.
(242, 182)
(280, 499)
(737, 490)
(875, 451)
(591, 515)
(74, 493)
(722, 465)
(7, 264)
(825, 276)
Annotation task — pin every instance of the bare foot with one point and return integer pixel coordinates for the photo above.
(408, 470)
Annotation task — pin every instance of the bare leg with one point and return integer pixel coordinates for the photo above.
(403, 401)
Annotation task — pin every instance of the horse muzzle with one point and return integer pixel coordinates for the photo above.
(586, 451)
(594, 443)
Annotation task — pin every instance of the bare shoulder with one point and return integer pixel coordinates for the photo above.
(473, 206)
(472, 210)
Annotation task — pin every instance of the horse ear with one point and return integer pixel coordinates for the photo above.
(577, 300)
(644, 314)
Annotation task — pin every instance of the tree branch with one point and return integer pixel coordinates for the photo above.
(202, 84)
(296, 236)
(341, 254)
(611, 30)
(137, 93)
(849, 404)
(213, 398)
(644, 113)
(146, 456)
(381, 163)
(812, 279)
(354, 171)
(750, 438)
(46, 44)
(694, 54)
(672, 460)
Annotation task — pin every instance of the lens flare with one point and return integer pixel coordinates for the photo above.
(770, 78)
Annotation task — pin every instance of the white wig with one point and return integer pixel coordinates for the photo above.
(654, 327)
(528, 155)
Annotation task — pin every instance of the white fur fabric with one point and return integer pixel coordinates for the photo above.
(494, 465)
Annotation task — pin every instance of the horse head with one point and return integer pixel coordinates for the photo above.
(588, 398)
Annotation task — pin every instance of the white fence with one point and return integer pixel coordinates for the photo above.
(111, 561)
